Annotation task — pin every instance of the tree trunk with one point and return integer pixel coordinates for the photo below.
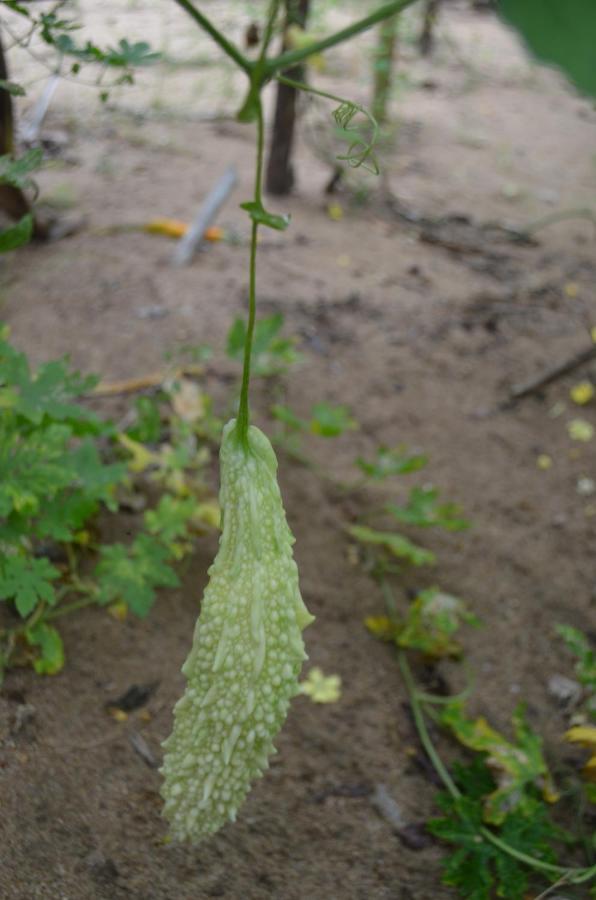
(383, 65)
(280, 171)
(12, 200)
(426, 40)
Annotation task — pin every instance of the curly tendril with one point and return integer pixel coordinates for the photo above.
(360, 150)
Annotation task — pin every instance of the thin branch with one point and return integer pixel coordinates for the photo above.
(292, 57)
(220, 39)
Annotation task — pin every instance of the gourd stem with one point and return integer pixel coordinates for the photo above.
(243, 408)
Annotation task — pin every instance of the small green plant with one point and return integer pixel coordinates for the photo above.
(421, 510)
(585, 665)
(325, 421)
(272, 354)
(478, 867)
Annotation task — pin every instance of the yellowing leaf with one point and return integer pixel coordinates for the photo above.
(585, 735)
(582, 392)
(141, 457)
(118, 611)
(208, 513)
(514, 766)
(321, 688)
(580, 430)
(381, 627)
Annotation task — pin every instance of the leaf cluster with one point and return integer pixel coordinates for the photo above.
(60, 466)
(478, 868)
(57, 33)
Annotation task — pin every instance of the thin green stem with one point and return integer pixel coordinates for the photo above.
(309, 89)
(228, 48)
(268, 35)
(81, 603)
(425, 738)
(293, 57)
(243, 408)
(574, 875)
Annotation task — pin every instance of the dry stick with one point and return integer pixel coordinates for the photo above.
(30, 129)
(550, 375)
(143, 382)
(191, 241)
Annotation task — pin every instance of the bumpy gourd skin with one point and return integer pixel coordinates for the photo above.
(247, 650)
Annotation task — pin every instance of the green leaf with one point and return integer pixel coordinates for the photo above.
(91, 474)
(560, 32)
(285, 415)
(424, 510)
(259, 214)
(147, 428)
(395, 543)
(477, 867)
(131, 55)
(46, 393)
(16, 171)
(585, 667)
(131, 574)
(391, 462)
(51, 659)
(331, 421)
(469, 867)
(124, 55)
(170, 519)
(27, 581)
(271, 354)
(17, 7)
(62, 516)
(16, 235)
(11, 87)
(32, 466)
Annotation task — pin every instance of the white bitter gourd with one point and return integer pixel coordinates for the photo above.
(247, 650)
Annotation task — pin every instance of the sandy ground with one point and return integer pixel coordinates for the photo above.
(421, 331)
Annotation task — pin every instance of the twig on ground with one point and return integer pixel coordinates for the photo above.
(143, 382)
(140, 746)
(549, 375)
